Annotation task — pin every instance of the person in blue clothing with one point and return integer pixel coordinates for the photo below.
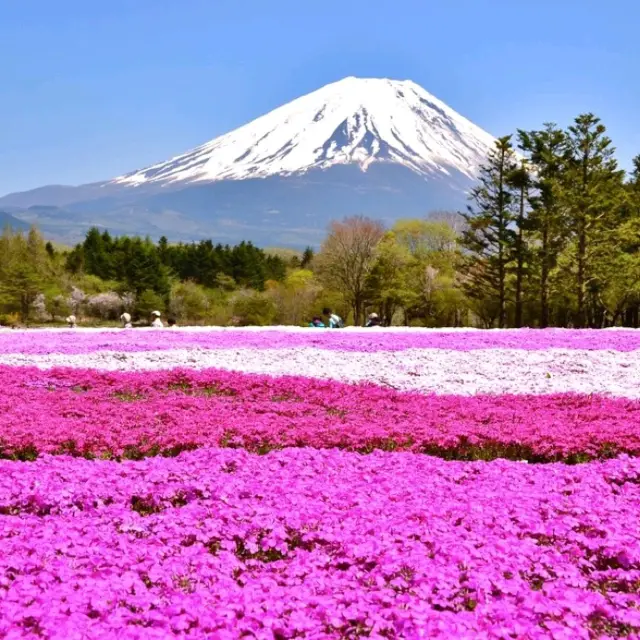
(335, 321)
(317, 322)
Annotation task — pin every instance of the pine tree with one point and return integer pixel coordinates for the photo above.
(97, 253)
(520, 181)
(630, 229)
(163, 250)
(633, 190)
(307, 258)
(490, 236)
(592, 183)
(144, 271)
(546, 149)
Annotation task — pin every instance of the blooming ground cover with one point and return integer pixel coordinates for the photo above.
(318, 543)
(132, 415)
(318, 484)
(442, 371)
(352, 339)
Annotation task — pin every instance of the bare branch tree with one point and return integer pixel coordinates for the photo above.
(347, 257)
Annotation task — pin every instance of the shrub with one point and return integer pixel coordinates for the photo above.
(105, 305)
(189, 301)
(147, 302)
(58, 306)
(253, 309)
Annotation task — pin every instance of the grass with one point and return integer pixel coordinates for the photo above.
(462, 451)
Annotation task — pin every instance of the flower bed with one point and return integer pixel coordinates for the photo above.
(214, 484)
(493, 371)
(133, 415)
(351, 339)
(319, 544)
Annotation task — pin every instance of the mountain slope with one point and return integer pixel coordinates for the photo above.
(379, 147)
(7, 220)
(353, 121)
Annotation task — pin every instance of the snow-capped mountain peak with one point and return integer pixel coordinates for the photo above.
(357, 121)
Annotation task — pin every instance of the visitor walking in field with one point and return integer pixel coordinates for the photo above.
(126, 320)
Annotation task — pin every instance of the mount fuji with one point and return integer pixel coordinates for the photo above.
(380, 147)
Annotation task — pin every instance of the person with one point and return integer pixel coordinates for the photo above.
(335, 321)
(172, 323)
(156, 322)
(126, 320)
(373, 320)
(71, 321)
(317, 322)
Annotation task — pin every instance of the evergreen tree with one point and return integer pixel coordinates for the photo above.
(520, 181)
(144, 271)
(546, 150)
(163, 250)
(593, 190)
(633, 190)
(307, 258)
(490, 236)
(97, 254)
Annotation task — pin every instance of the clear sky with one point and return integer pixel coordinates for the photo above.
(93, 89)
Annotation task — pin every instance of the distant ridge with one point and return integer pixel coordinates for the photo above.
(381, 147)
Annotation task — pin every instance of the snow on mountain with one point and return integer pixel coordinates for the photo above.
(355, 121)
(376, 147)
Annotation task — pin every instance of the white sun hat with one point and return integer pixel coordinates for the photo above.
(125, 317)
(156, 313)
(71, 319)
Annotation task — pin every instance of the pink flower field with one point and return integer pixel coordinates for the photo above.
(319, 484)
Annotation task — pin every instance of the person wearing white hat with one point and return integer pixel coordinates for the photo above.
(71, 321)
(126, 320)
(156, 322)
(373, 320)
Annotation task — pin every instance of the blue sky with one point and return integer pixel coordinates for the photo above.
(90, 90)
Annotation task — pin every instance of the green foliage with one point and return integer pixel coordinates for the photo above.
(546, 221)
(193, 303)
(26, 270)
(252, 308)
(296, 297)
(57, 305)
(147, 302)
(490, 237)
(389, 285)
(140, 264)
(216, 265)
(225, 282)
(416, 275)
(307, 258)
(552, 237)
(593, 187)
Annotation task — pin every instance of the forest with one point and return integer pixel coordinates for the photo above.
(551, 237)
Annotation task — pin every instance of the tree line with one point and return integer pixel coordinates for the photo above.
(553, 231)
(140, 264)
(551, 237)
(103, 276)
